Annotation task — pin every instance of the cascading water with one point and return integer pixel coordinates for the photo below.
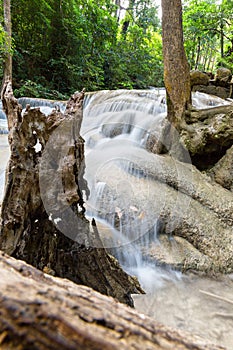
(46, 106)
(116, 126)
(126, 204)
(3, 121)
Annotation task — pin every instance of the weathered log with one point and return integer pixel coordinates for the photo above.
(41, 312)
(28, 231)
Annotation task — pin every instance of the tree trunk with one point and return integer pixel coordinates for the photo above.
(118, 10)
(176, 68)
(42, 214)
(41, 312)
(176, 79)
(198, 52)
(221, 33)
(7, 27)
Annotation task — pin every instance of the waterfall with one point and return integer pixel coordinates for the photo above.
(124, 198)
(3, 121)
(46, 106)
(126, 204)
(116, 125)
(39, 102)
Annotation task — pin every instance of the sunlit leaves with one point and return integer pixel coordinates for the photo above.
(68, 45)
(207, 27)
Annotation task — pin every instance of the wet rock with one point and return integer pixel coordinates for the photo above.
(177, 252)
(219, 91)
(115, 129)
(208, 135)
(222, 172)
(189, 206)
(220, 86)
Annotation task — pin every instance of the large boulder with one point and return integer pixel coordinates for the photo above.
(193, 212)
(222, 172)
(198, 78)
(219, 86)
(220, 91)
(208, 134)
(223, 75)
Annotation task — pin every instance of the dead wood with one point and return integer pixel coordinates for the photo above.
(53, 176)
(41, 312)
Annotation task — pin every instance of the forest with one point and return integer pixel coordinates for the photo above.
(62, 46)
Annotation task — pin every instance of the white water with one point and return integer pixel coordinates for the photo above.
(116, 127)
(4, 156)
(3, 121)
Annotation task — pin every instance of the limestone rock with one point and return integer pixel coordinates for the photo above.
(199, 78)
(222, 92)
(222, 172)
(208, 135)
(220, 86)
(223, 75)
(188, 204)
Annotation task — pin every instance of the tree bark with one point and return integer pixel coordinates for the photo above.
(45, 312)
(51, 181)
(7, 27)
(176, 80)
(198, 52)
(176, 68)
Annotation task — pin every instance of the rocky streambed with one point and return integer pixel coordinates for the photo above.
(159, 215)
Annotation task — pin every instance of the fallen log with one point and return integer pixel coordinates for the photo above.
(41, 312)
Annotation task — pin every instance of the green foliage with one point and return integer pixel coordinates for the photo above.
(136, 61)
(68, 45)
(32, 89)
(199, 22)
(208, 32)
(6, 45)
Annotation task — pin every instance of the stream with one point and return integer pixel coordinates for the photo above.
(116, 128)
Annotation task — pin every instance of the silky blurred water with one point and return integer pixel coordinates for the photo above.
(113, 131)
(116, 126)
(4, 157)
